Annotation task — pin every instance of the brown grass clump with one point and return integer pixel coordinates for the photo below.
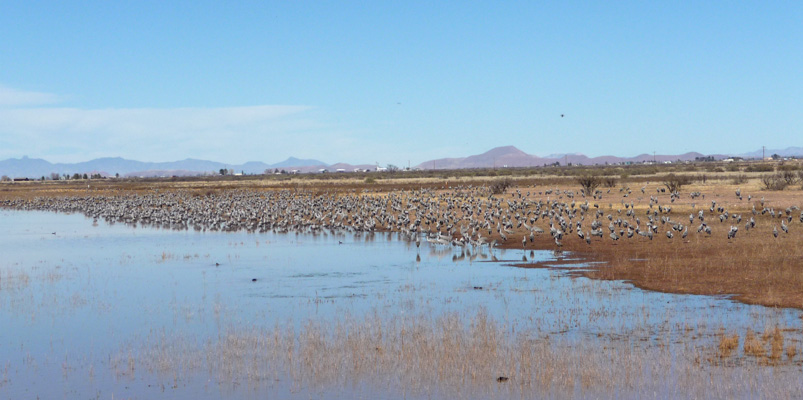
(753, 346)
(776, 344)
(727, 344)
(791, 352)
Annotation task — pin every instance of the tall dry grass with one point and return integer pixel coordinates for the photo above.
(449, 356)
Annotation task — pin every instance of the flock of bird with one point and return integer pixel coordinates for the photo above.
(461, 216)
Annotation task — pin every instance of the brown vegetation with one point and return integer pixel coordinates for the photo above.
(448, 356)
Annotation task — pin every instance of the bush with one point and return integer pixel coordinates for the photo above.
(759, 168)
(774, 182)
(610, 182)
(501, 185)
(589, 183)
(674, 182)
(789, 177)
(370, 180)
(739, 179)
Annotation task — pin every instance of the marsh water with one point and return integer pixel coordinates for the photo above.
(78, 297)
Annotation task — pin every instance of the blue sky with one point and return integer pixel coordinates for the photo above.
(393, 82)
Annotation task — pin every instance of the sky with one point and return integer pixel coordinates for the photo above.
(393, 82)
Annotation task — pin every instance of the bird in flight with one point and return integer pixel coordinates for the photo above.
(561, 115)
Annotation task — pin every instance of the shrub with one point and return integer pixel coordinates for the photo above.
(610, 182)
(589, 183)
(760, 168)
(739, 179)
(774, 182)
(501, 185)
(789, 176)
(674, 182)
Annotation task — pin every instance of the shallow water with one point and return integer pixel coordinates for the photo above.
(75, 293)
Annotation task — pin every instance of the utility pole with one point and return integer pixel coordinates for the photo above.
(763, 156)
(566, 159)
(653, 157)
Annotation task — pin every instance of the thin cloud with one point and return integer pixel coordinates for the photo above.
(151, 133)
(18, 98)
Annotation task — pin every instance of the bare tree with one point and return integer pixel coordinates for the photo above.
(674, 182)
(501, 185)
(589, 183)
(774, 181)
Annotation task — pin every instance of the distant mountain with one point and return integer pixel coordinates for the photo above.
(295, 162)
(504, 156)
(162, 173)
(787, 152)
(510, 156)
(36, 167)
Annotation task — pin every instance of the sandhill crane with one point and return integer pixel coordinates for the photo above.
(732, 232)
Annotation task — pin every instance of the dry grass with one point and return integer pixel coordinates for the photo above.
(753, 346)
(791, 351)
(727, 345)
(449, 356)
(754, 268)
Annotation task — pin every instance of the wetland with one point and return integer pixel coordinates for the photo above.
(247, 293)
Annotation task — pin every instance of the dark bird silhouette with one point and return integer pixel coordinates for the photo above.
(561, 115)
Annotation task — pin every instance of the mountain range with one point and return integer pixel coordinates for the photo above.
(36, 167)
(510, 156)
(505, 156)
